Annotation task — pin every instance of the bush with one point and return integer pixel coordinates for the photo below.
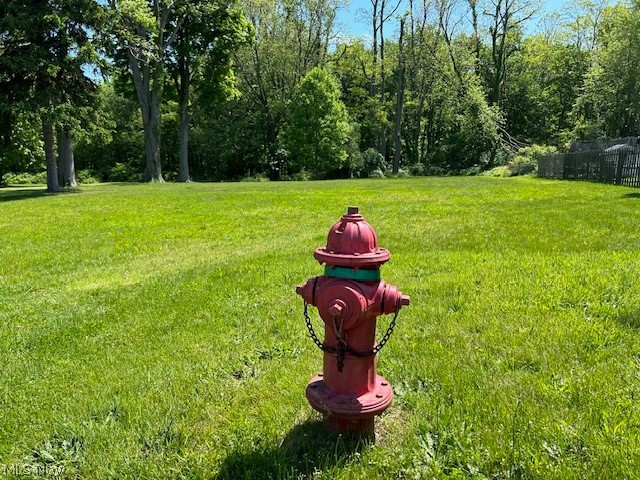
(25, 178)
(418, 170)
(501, 171)
(85, 176)
(502, 156)
(374, 161)
(302, 175)
(437, 171)
(522, 168)
(471, 171)
(258, 177)
(122, 172)
(526, 160)
(377, 173)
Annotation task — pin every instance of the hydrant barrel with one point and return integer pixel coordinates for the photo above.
(349, 298)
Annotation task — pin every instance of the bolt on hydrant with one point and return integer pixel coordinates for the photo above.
(349, 297)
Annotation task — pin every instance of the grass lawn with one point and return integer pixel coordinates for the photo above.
(152, 331)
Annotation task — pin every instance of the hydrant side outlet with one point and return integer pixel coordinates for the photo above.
(349, 298)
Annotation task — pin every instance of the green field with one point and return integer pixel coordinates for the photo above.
(152, 331)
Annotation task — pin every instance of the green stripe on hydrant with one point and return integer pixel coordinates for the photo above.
(352, 274)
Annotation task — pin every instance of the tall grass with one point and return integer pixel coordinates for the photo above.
(152, 331)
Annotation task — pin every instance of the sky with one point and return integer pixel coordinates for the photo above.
(352, 20)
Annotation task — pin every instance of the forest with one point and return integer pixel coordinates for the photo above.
(217, 90)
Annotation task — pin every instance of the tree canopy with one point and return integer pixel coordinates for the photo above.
(267, 88)
(45, 47)
(318, 128)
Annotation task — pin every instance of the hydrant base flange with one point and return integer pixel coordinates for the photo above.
(349, 407)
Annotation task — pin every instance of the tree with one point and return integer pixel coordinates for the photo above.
(141, 33)
(45, 46)
(381, 12)
(610, 103)
(399, 101)
(211, 31)
(318, 128)
(20, 143)
(583, 23)
(426, 78)
(506, 19)
(291, 38)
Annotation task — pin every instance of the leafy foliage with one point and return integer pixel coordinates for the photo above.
(45, 46)
(610, 105)
(318, 129)
(478, 86)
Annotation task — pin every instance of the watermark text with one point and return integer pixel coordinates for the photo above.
(26, 469)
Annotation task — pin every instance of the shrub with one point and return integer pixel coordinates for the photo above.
(258, 177)
(122, 172)
(437, 171)
(85, 176)
(302, 175)
(502, 156)
(373, 160)
(418, 170)
(25, 178)
(526, 160)
(471, 171)
(522, 168)
(377, 173)
(501, 171)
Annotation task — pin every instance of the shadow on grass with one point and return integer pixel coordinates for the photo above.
(307, 448)
(630, 319)
(11, 194)
(631, 195)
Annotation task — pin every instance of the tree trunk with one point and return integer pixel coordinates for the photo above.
(399, 103)
(183, 175)
(373, 86)
(66, 170)
(49, 155)
(473, 4)
(155, 121)
(148, 91)
(382, 133)
(153, 170)
(183, 100)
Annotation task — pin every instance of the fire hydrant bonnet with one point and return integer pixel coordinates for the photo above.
(352, 243)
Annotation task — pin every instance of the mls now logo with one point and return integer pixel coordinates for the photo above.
(43, 470)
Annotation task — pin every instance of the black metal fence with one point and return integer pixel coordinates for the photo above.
(620, 167)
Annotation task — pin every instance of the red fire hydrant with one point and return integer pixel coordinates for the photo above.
(349, 297)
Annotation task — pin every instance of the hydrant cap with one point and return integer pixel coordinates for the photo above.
(352, 242)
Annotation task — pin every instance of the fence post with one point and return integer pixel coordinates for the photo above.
(619, 166)
(601, 164)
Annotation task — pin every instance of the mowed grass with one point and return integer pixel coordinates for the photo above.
(152, 331)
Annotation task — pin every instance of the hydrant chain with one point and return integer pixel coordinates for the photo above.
(387, 334)
(312, 333)
(345, 348)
